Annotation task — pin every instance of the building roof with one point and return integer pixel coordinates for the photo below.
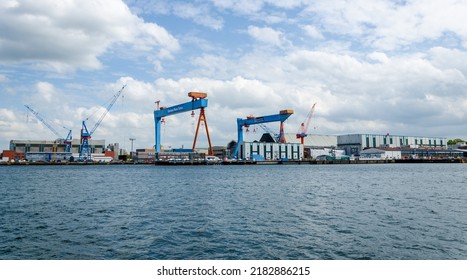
(75, 142)
(313, 140)
(372, 151)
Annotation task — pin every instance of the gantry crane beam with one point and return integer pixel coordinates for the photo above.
(199, 101)
(281, 117)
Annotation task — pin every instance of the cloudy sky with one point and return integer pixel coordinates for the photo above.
(376, 66)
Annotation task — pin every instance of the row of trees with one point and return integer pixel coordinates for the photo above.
(455, 141)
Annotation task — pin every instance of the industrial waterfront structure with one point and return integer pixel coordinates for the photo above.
(198, 101)
(271, 145)
(85, 151)
(353, 144)
(28, 146)
(47, 150)
(270, 151)
(251, 120)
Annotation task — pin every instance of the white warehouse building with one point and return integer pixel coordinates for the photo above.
(354, 143)
(270, 151)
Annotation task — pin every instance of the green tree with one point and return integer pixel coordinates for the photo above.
(455, 141)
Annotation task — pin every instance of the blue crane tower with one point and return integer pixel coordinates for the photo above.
(85, 150)
(67, 141)
(281, 117)
(198, 101)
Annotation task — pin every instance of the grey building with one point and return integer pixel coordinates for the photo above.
(41, 146)
(354, 143)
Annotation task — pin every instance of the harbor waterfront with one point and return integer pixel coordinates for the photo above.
(344, 211)
(244, 162)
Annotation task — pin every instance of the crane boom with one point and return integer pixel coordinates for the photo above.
(107, 110)
(43, 121)
(85, 149)
(268, 130)
(303, 130)
(66, 141)
(308, 118)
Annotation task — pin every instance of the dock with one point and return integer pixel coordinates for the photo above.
(246, 162)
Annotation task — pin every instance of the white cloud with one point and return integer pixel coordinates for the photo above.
(313, 32)
(7, 115)
(266, 35)
(45, 91)
(378, 57)
(445, 58)
(198, 13)
(240, 6)
(250, 7)
(3, 78)
(382, 67)
(386, 25)
(56, 36)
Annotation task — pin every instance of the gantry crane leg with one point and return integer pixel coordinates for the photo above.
(202, 118)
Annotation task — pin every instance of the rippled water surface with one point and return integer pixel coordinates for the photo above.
(380, 211)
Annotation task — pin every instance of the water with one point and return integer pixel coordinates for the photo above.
(380, 211)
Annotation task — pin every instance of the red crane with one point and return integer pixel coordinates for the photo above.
(302, 131)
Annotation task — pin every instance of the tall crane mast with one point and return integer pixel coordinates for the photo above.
(66, 141)
(85, 150)
(303, 130)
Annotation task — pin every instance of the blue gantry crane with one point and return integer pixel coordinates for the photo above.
(198, 101)
(281, 117)
(67, 141)
(85, 150)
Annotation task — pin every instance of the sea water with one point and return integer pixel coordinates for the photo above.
(367, 211)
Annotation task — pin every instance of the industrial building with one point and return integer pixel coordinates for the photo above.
(313, 145)
(353, 144)
(270, 151)
(378, 154)
(46, 150)
(26, 146)
(271, 146)
(316, 145)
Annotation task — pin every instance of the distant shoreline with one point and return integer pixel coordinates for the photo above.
(247, 162)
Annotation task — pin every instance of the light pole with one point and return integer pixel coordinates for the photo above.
(132, 139)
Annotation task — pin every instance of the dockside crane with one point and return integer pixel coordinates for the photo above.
(303, 130)
(85, 150)
(67, 141)
(250, 120)
(198, 101)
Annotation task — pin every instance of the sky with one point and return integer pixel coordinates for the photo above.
(396, 67)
